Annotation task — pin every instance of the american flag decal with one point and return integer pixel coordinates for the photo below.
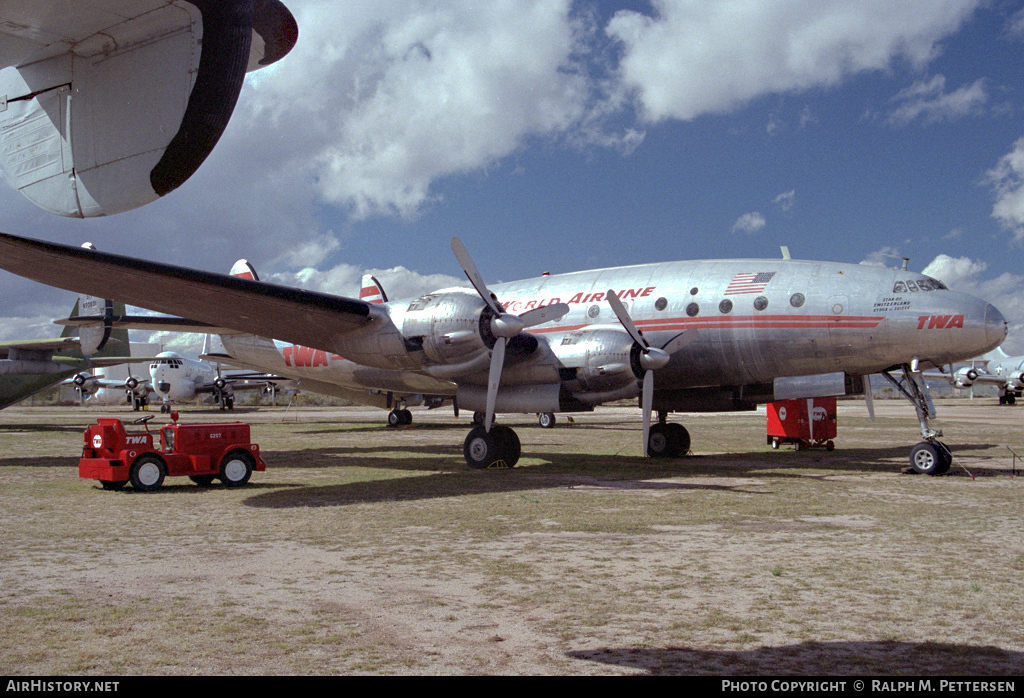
(749, 282)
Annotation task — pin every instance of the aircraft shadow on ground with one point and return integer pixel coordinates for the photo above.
(445, 474)
(821, 659)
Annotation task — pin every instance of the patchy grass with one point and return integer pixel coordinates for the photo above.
(365, 549)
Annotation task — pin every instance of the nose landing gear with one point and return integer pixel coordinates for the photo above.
(930, 456)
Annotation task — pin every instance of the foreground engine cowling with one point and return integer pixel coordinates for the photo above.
(452, 329)
(132, 110)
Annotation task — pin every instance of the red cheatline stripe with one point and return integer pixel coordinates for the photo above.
(765, 322)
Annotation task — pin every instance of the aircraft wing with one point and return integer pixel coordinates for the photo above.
(152, 323)
(44, 345)
(107, 105)
(289, 314)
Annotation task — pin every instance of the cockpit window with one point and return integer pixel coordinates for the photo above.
(911, 286)
(899, 287)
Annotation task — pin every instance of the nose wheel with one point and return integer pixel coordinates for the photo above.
(931, 458)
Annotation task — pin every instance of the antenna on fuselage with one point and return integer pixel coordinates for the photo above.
(906, 261)
(785, 251)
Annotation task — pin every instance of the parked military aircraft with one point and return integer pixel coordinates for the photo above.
(995, 368)
(707, 335)
(175, 378)
(29, 366)
(108, 105)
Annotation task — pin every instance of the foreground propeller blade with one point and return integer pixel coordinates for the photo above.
(647, 404)
(679, 341)
(466, 262)
(625, 320)
(494, 380)
(547, 313)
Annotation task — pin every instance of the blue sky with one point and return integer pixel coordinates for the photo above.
(556, 135)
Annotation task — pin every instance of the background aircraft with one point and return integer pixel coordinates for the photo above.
(175, 378)
(109, 104)
(716, 335)
(29, 366)
(995, 368)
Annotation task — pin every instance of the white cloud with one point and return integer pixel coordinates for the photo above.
(749, 223)
(692, 57)
(785, 200)
(1007, 178)
(930, 101)
(885, 257)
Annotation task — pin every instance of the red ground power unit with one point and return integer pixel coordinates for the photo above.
(203, 452)
(807, 423)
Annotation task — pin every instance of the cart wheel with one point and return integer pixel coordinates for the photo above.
(797, 445)
(830, 445)
(147, 473)
(236, 468)
(775, 443)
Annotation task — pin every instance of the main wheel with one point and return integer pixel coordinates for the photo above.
(147, 473)
(236, 468)
(546, 419)
(508, 444)
(406, 416)
(497, 449)
(926, 458)
(394, 418)
(663, 442)
(682, 437)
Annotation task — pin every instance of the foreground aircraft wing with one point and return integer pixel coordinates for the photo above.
(150, 323)
(107, 105)
(256, 307)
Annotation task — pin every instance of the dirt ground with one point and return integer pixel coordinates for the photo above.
(372, 550)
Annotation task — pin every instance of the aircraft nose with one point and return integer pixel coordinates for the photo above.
(996, 326)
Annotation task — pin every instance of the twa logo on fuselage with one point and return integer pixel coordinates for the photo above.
(305, 357)
(939, 322)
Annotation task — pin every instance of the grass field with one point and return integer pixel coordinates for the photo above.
(365, 549)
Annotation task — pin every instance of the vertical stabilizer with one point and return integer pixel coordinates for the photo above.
(371, 291)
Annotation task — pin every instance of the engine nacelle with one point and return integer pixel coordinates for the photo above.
(451, 328)
(86, 383)
(965, 377)
(604, 361)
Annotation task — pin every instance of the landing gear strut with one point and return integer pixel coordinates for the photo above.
(931, 456)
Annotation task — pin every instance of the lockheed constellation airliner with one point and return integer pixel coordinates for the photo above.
(686, 336)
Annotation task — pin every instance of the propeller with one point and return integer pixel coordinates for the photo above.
(504, 325)
(651, 358)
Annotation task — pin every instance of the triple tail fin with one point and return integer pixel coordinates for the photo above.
(371, 291)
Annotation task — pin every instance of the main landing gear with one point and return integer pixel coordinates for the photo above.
(930, 456)
(667, 439)
(499, 448)
(399, 417)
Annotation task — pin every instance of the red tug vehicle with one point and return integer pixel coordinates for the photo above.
(203, 452)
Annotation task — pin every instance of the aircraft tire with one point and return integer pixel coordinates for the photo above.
(490, 450)
(926, 459)
(682, 437)
(236, 468)
(394, 419)
(946, 457)
(508, 443)
(406, 416)
(546, 420)
(663, 442)
(147, 473)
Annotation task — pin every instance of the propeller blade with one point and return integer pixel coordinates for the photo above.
(494, 380)
(627, 322)
(679, 341)
(547, 313)
(466, 262)
(648, 403)
(869, 398)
